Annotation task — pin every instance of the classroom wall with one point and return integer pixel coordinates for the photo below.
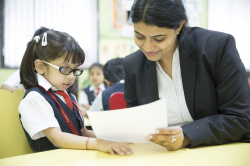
(108, 38)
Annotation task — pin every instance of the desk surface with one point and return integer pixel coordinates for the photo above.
(235, 154)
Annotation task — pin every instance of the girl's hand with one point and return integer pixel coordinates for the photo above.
(164, 135)
(112, 147)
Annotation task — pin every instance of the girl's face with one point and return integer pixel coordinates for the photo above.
(155, 42)
(96, 76)
(57, 79)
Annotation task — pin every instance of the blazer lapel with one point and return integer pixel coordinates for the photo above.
(188, 73)
(151, 82)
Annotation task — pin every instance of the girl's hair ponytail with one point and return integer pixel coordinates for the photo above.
(27, 72)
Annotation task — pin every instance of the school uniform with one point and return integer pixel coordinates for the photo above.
(39, 111)
(101, 102)
(88, 95)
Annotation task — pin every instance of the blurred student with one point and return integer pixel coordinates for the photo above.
(13, 82)
(48, 112)
(114, 77)
(96, 77)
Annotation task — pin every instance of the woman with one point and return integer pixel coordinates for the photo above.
(198, 71)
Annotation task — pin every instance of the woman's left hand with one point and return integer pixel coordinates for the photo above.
(164, 136)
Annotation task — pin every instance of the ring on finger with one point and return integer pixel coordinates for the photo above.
(167, 142)
(172, 139)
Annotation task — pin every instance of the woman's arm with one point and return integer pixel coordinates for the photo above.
(233, 100)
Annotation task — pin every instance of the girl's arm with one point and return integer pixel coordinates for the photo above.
(89, 133)
(69, 141)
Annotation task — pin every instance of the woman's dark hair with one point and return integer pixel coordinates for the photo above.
(162, 13)
(96, 65)
(113, 70)
(59, 44)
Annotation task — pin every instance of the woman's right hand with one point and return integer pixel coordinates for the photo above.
(112, 147)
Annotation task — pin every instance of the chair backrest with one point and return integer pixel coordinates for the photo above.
(13, 141)
(116, 101)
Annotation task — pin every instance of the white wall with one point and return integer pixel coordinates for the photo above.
(78, 18)
(233, 17)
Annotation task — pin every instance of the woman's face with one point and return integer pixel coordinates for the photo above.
(156, 43)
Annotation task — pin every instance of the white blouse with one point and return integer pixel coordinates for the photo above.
(172, 91)
(36, 113)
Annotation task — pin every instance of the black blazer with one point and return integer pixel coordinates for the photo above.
(215, 86)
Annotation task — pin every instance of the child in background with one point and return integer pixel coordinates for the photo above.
(114, 77)
(96, 77)
(48, 112)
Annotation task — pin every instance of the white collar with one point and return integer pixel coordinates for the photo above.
(101, 86)
(176, 53)
(122, 81)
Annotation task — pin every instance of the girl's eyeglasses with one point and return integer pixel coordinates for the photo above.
(66, 70)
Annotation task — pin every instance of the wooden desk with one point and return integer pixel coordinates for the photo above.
(236, 154)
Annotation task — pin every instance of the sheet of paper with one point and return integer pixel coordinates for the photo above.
(130, 125)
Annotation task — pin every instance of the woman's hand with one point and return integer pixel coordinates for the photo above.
(112, 147)
(164, 135)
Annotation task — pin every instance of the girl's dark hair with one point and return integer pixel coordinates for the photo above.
(59, 44)
(113, 70)
(162, 13)
(96, 65)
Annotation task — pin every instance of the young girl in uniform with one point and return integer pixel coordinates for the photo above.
(96, 77)
(48, 112)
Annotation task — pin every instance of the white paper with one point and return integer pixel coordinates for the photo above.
(130, 125)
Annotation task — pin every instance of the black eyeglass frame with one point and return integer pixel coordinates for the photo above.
(60, 69)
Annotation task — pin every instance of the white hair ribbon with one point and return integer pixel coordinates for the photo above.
(36, 38)
(44, 40)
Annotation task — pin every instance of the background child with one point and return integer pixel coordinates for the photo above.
(96, 77)
(114, 77)
(48, 111)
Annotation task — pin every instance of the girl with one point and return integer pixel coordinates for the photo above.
(48, 112)
(96, 77)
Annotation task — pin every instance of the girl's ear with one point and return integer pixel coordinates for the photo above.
(39, 67)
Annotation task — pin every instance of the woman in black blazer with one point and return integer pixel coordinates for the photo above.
(213, 80)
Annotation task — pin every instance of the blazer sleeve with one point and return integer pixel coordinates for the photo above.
(129, 90)
(232, 122)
